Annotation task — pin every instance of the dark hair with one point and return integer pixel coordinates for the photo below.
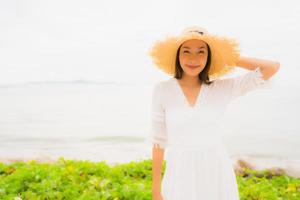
(203, 75)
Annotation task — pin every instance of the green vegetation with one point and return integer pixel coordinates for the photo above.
(73, 179)
(264, 185)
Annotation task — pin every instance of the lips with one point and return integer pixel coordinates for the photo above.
(192, 66)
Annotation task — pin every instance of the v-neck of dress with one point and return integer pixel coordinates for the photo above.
(198, 98)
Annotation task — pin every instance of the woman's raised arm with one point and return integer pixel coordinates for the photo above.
(267, 67)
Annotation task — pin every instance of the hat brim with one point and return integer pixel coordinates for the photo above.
(224, 53)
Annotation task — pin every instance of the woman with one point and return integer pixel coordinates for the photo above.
(187, 109)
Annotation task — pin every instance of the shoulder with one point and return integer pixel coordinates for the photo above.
(252, 77)
(168, 81)
(221, 85)
(215, 83)
(164, 84)
(164, 88)
(222, 82)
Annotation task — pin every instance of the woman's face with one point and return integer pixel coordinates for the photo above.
(193, 56)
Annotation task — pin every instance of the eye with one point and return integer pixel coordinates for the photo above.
(201, 52)
(185, 52)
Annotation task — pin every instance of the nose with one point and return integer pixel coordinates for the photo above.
(193, 61)
(193, 57)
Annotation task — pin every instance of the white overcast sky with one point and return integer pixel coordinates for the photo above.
(64, 40)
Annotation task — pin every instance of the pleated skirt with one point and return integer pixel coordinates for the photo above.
(199, 174)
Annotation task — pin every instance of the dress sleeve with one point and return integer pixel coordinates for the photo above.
(241, 85)
(157, 132)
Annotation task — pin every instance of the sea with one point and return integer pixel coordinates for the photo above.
(109, 121)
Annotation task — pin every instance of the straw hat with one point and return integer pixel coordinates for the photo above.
(224, 51)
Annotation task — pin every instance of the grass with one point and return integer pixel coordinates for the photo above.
(73, 179)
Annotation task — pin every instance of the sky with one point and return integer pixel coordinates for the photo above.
(93, 40)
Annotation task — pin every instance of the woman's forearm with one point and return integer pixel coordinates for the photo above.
(157, 162)
(267, 67)
(252, 63)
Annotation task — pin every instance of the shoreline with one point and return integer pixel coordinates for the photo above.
(277, 164)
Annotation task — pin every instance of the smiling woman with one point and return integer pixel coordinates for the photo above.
(187, 112)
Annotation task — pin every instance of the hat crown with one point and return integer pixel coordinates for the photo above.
(195, 29)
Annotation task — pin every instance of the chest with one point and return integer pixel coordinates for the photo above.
(196, 100)
(190, 94)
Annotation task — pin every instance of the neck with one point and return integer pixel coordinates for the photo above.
(190, 80)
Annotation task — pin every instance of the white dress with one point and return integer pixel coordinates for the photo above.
(198, 166)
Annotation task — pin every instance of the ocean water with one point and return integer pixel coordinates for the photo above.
(109, 121)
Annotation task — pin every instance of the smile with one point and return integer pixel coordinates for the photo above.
(192, 66)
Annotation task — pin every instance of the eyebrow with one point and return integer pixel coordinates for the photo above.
(189, 47)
